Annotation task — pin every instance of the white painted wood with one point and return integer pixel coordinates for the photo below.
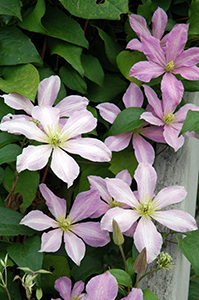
(180, 168)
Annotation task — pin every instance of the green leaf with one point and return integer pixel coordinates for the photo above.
(124, 159)
(125, 60)
(71, 53)
(191, 85)
(9, 153)
(93, 69)
(2, 175)
(164, 4)
(23, 79)
(193, 289)
(193, 18)
(28, 255)
(149, 295)
(32, 19)
(111, 47)
(146, 10)
(7, 138)
(9, 223)
(55, 21)
(10, 8)
(130, 265)
(113, 86)
(72, 79)
(58, 265)
(109, 9)
(127, 120)
(191, 122)
(122, 277)
(190, 248)
(16, 48)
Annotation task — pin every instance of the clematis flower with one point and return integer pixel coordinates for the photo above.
(145, 208)
(144, 151)
(139, 25)
(57, 139)
(68, 226)
(47, 93)
(163, 115)
(63, 285)
(174, 60)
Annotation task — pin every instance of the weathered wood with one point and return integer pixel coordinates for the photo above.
(180, 168)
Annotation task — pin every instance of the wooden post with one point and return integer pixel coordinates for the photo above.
(180, 168)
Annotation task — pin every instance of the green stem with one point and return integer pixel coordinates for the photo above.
(155, 270)
(125, 264)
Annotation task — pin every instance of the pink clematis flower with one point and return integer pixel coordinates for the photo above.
(163, 114)
(174, 60)
(68, 226)
(139, 25)
(145, 208)
(144, 152)
(57, 140)
(63, 285)
(47, 93)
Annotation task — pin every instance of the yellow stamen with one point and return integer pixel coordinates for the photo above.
(169, 67)
(64, 223)
(147, 208)
(169, 118)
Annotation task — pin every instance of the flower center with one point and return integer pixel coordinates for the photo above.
(168, 119)
(114, 203)
(64, 223)
(169, 67)
(56, 138)
(147, 208)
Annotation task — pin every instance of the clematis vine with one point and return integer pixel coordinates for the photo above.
(63, 285)
(145, 207)
(68, 226)
(174, 60)
(163, 114)
(144, 152)
(57, 140)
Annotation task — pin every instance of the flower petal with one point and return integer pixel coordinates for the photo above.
(77, 289)
(176, 220)
(74, 246)
(18, 101)
(33, 158)
(151, 119)
(119, 141)
(159, 21)
(146, 70)
(134, 44)
(92, 234)
(171, 137)
(56, 205)
(98, 183)
(153, 51)
(108, 111)
(133, 96)
(146, 235)
(189, 57)
(188, 72)
(37, 220)
(153, 133)
(51, 241)
(48, 90)
(170, 195)
(154, 101)
(70, 104)
(125, 176)
(63, 285)
(172, 89)
(139, 25)
(47, 116)
(144, 151)
(135, 294)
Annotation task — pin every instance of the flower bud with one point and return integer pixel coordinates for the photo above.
(141, 262)
(117, 234)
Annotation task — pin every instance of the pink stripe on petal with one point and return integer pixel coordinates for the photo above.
(171, 137)
(189, 57)
(172, 89)
(153, 51)
(151, 119)
(51, 241)
(18, 101)
(144, 151)
(108, 111)
(170, 195)
(188, 72)
(135, 294)
(154, 133)
(48, 117)
(159, 21)
(48, 90)
(134, 44)
(38, 220)
(74, 246)
(181, 114)
(63, 285)
(139, 25)
(98, 183)
(133, 96)
(125, 176)
(77, 289)
(146, 235)
(56, 205)
(154, 101)
(119, 141)
(146, 70)
(70, 104)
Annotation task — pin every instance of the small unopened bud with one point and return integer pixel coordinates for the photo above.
(39, 293)
(117, 234)
(141, 262)
(165, 261)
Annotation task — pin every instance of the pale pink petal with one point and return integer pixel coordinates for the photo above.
(74, 246)
(56, 205)
(80, 122)
(153, 51)
(18, 101)
(139, 25)
(25, 127)
(101, 287)
(37, 220)
(89, 148)
(64, 166)
(63, 285)
(33, 158)
(146, 177)
(159, 21)
(131, 230)
(134, 44)
(48, 117)
(125, 176)
(146, 70)
(70, 104)
(10, 117)
(170, 195)
(153, 100)
(150, 118)
(99, 184)
(135, 294)
(189, 57)
(92, 234)
(133, 96)
(188, 72)
(176, 220)
(77, 289)
(108, 111)
(171, 88)
(124, 217)
(146, 235)
(153, 133)
(181, 114)
(51, 241)
(102, 209)
(121, 191)
(119, 141)
(144, 151)
(171, 137)
(85, 204)
(48, 90)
